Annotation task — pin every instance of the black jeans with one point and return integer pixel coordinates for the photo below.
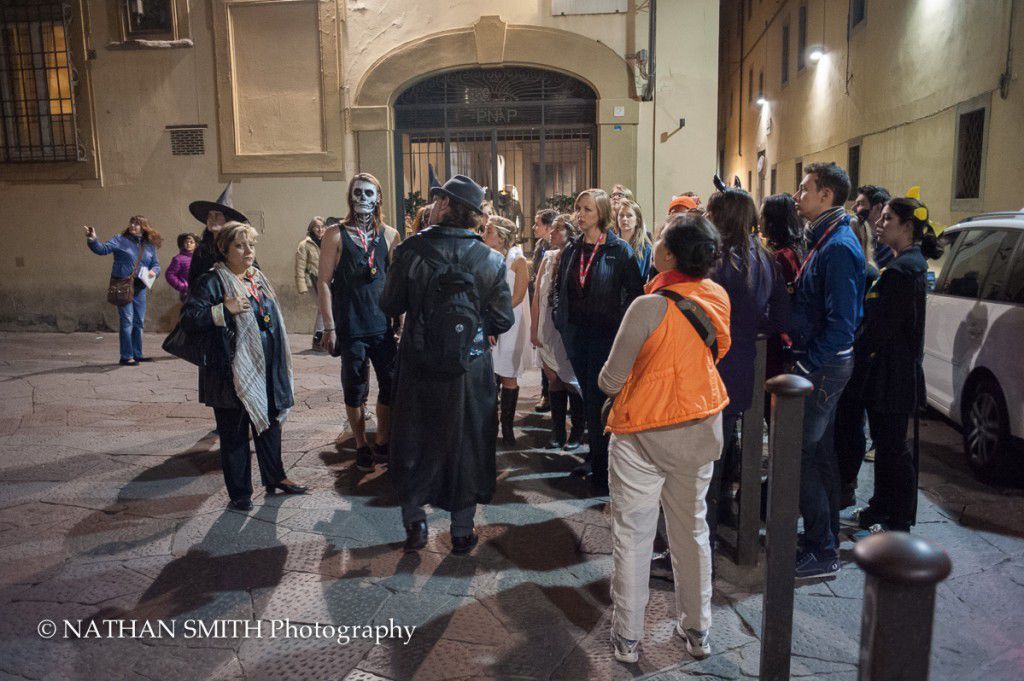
(895, 475)
(850, 442)
(233, 428)
(462, 520)
(725, 470)
(587, 354)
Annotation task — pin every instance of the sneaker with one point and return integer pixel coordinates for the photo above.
(364, 459)
(877, 528)
(625, 648)
(698, 644)
(809, 566)
(661, 566)
(862, 518)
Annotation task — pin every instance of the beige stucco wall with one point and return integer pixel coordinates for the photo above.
(48, 277)
(896, 90)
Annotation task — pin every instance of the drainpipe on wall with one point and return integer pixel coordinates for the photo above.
(1007, 75)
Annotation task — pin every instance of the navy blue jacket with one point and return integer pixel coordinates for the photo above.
(126, 249)
(612, 284)
(759, 303)
(828, 297)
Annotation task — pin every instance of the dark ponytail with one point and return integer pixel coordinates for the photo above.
(923, 233)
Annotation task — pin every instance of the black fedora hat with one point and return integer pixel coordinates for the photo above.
(200, 209)
(464, 190)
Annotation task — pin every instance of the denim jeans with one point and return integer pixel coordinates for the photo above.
(132, 318)
(819, 467)
(587, 353)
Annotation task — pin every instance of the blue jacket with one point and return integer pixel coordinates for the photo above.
(828, 297)
(126, 249)
(645, 263)
(759, 303)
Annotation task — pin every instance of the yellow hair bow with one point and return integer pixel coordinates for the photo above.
(921, 213)
(914, 193)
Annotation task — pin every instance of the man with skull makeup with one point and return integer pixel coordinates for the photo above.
(354, 259)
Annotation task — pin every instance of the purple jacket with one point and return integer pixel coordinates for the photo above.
(760, 303)
(177, 272)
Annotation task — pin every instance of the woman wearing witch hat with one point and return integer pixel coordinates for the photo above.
(213, 214)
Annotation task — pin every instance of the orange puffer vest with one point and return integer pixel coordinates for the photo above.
(674, 379)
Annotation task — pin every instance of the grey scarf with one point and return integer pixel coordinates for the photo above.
(249, 366)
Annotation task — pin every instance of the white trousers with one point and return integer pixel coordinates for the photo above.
(671, 466)
(319, 326)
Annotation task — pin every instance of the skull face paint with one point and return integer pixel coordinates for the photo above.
(364, 198)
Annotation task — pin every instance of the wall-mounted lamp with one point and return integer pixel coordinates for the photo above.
(761, 101)
(816, 54)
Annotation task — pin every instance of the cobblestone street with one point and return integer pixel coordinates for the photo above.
(112, 506)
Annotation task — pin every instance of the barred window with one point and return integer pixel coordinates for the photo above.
(853, 166)
(785, 54)
(37, 104)
(148, 18)
(801, 37)
(970, 138)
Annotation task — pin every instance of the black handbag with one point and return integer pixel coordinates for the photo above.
(121, 290)
(184, 345)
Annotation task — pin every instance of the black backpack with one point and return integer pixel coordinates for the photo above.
(449, 317)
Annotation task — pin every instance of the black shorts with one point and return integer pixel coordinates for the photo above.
(357, 354)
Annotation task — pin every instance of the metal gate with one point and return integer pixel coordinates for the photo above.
(527, 135)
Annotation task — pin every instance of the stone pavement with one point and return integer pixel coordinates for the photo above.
(112, 507)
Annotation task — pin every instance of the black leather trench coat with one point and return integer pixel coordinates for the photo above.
(216, 381)
(444, 429)
(888, 372)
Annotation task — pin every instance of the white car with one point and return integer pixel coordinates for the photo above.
(974, 328)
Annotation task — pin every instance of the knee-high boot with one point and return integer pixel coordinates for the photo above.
(509, 399)
(559, 403)
(578, 419)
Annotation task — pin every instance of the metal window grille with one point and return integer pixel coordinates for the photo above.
(37, 83)
(785, 54)
(970, 136)
(853, 166)
(801, 37)
(148, 18)
(187, 141)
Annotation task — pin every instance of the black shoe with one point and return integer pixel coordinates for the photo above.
(661, 566)
(287, 489)
(509, 400)
(415, 536)
(241, 504)
(364, 459)
(381, 453)
(582, 471)
(143, 359)
(559, 405)
(129, 363)
(543, 406)
(463, 545)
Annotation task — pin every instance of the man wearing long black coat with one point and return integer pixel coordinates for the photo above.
(444, 428)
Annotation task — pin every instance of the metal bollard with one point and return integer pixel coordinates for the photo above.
(899, 605)
(748, 525)
(788, 393)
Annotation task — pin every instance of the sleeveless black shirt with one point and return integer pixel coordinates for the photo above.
(355, 293)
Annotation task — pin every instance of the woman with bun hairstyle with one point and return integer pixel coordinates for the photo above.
(666, 425)
(889, 351)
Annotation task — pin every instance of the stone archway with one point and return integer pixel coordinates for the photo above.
(494, 42)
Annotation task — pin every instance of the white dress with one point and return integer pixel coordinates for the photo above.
(513, 354)
(552, 351)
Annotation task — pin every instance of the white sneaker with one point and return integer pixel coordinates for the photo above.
(625, 649)
(697, 642)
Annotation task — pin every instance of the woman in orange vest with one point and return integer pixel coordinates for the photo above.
(666, 426)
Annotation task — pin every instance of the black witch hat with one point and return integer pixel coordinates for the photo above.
(200, 209)
(432, 182)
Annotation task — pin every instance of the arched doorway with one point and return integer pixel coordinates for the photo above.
(527, 134)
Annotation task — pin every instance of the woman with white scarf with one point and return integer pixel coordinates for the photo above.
(247, 377)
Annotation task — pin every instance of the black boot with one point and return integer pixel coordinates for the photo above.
(509, 400)
(559, 403)
(578, 419)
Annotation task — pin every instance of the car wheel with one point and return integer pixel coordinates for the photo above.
(986, 429)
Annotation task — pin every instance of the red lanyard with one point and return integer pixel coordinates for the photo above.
(835, 223)
(367, 247)
(251, 286)
(585, 270)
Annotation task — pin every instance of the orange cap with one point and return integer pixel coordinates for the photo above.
(682, 203)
